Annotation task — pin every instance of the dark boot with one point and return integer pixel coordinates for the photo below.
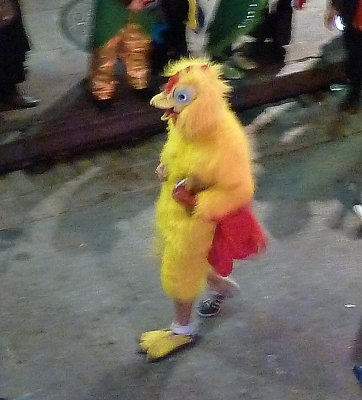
(352, 103)
(16, 100)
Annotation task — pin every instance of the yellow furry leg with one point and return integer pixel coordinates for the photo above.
(147, 338)
(164, 345)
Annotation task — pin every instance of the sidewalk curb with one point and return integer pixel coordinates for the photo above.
(68, 124)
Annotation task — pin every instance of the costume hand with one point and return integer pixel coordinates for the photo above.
(182, 195)
(161, 172)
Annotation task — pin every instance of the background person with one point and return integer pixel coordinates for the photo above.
(14, 45)
(351, 13)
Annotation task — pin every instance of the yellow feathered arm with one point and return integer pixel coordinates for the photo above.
(233, 185)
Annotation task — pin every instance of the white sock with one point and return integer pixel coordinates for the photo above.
(189, 329)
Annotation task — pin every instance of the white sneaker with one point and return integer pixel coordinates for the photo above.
(358, 210)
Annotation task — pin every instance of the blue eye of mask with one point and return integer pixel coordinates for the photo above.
(182, 96)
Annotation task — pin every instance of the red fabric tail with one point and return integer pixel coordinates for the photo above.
(237, 236)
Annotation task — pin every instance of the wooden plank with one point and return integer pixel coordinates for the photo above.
(74, 125)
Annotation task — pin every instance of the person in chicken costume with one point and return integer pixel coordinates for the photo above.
(207, 183)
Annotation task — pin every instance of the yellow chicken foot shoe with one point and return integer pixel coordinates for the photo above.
(168, 344)
(147, 338)
(159, 344)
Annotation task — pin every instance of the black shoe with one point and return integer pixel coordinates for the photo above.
(146, 93)
(103, 104)
(352, 102)
(26, 102)
(210, 307)
(18, 101)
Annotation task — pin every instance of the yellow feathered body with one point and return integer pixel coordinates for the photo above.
(208, 142)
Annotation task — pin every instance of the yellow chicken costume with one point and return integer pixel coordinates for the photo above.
(206, 144)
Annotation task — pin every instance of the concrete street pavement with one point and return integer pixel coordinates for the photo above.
(78, 281)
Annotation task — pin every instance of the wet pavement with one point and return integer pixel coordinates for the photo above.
(78, 281)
